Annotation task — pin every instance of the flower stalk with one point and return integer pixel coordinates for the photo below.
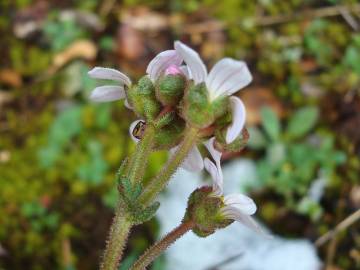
(122, 224)
(158, 183)
(117, 239)
(154, 251)
(138, 162)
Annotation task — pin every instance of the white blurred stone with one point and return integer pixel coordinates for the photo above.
(248, 250)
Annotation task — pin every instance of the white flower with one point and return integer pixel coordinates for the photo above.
(109, 92)
(237, 207)
(165, 62)
(225, 78)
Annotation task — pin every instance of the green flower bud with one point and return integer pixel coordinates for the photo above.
(169, 135)
(196, 107)
(204, 210)
(198, 111)
(236, 146)
(170, 89)
(166, 137)
(143, 100)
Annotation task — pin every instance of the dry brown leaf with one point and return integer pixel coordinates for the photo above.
(332, 267)
(10, 77)
(355, 196)
(255, 98)
(3, 252)
(144, 19)
(4, 156)
(84, 49)
(5, 97)
(130, 43)
(308, 65)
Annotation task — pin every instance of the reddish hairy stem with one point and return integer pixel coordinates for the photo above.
(154, 251)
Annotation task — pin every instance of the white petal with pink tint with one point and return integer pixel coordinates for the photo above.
(173, 70)
(215, 154)
(246, 220)
(227, 77)
(107, 93)
(161, 62)
(193, 162)
(242, 203)
(185, 71)
(109, 74)
(216, 175)
(238, 113)
(197, 68)
(131, 130)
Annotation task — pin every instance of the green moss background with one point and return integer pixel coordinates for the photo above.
(59, 152)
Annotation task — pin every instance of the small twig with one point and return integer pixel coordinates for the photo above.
(224, 262)
(331, 251)
(340, 227)
(204, 27)
(345, 13)
(344, 10)
(305, 15)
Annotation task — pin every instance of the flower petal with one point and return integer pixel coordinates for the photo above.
(192, 59)
(227, 77)
(240, 202)
(215, 154)
(185, 71)
(246, 220)
(238, 119)
(109, 74)
(107, 93)
(127, 104)
(131, 130)
(193, 162)
(216, 175)
(161, 62)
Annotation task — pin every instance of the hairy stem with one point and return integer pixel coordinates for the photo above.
(154, 251)
(158, 183)
(121, 225)
(138, 162)
(118, 235)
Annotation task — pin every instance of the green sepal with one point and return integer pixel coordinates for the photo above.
(234, 147)
(146, 87)
(198, 110)
(220, 106)
(165, 119)
(170, 89)
(170, 135)
(204, 210)
(143, 100)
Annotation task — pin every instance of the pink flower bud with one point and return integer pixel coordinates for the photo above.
(173, 70)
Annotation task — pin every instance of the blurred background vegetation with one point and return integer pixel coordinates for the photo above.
(59, 152)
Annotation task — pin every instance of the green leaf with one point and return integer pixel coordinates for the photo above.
(257, 139)
(143, 215)
(136, 191)
(302, 122)
(271, 123)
